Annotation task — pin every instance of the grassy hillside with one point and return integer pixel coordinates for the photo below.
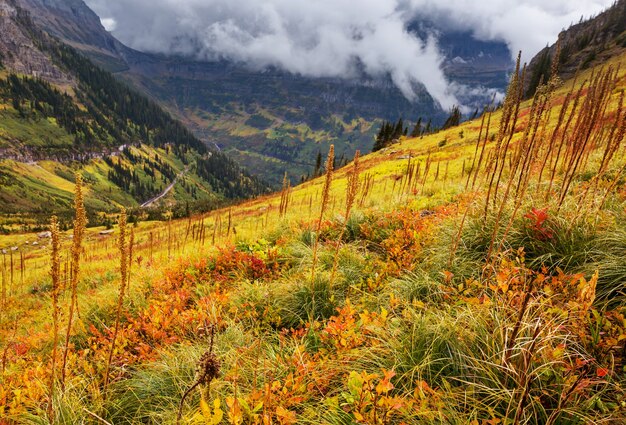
(31, 191)
(127, 148)
(477, 277)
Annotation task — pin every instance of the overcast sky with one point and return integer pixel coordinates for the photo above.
(329, 37)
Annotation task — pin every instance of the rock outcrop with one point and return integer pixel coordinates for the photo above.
(19, 52)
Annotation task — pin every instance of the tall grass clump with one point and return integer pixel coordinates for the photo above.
(80, 223)
(328, 179)
(152, 393)
(55, 274)
(123, 251)
(352, 190)
(419, 286)
(508, 358)
(608, 259)
(308, 302)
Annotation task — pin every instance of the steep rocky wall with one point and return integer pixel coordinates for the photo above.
(19, 53)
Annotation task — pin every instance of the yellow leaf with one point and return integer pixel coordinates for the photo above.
(384, 387)
(212, 418)
(206, 410)
(218, 414)
(235, 414)
(383, 314)
(285, 416)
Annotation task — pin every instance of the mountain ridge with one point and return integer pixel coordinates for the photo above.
(582, 46)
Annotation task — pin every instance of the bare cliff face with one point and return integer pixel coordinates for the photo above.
(71, 21)
(77, 25)
(19, 52)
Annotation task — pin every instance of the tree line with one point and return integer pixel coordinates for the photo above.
(390, 132)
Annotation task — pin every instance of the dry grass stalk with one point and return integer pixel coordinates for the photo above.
(591, 115)
(123, 250)
(578, 145)
(555, 165)
(9, 344)
(330, 161)
(4, 286)
(131, 244)
(611, 146)
(168, 217)
(230, 222)
(506, 130)
(482, 150)
(352, 190)
(11, 268)
(521, 173)
(284, 197)
(151, 237)
(55, 274)
(80, 223)
(555, 133)
(516, 88)
(367, 185)
(524, 157)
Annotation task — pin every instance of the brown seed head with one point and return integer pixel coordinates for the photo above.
(208, 368)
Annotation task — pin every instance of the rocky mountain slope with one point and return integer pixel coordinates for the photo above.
(19, 52)
(582, 46)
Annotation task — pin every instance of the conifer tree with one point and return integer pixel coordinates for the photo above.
(417, 130)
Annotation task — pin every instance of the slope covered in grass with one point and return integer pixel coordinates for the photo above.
(478, 278)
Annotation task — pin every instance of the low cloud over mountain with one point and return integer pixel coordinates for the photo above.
(337, 38)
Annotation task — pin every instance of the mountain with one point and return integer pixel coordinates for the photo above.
(273, 121)
(61, 114)
(78, 26)
(582, 46)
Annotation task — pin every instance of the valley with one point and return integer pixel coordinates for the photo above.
(269, 120)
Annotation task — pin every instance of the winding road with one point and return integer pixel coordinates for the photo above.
(166, 191)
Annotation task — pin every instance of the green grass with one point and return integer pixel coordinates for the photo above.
(17, 133)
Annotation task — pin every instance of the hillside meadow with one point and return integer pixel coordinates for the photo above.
(471, 276)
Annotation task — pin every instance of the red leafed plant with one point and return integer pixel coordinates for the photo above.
(538, 218)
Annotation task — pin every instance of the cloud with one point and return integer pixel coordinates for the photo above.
(109, 24)
(524, 25)
(337, 38)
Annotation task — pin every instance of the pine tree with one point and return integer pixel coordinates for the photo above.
(318, 164)
(398, 130)
(454, 119)
(429, 127)
(417, 130)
